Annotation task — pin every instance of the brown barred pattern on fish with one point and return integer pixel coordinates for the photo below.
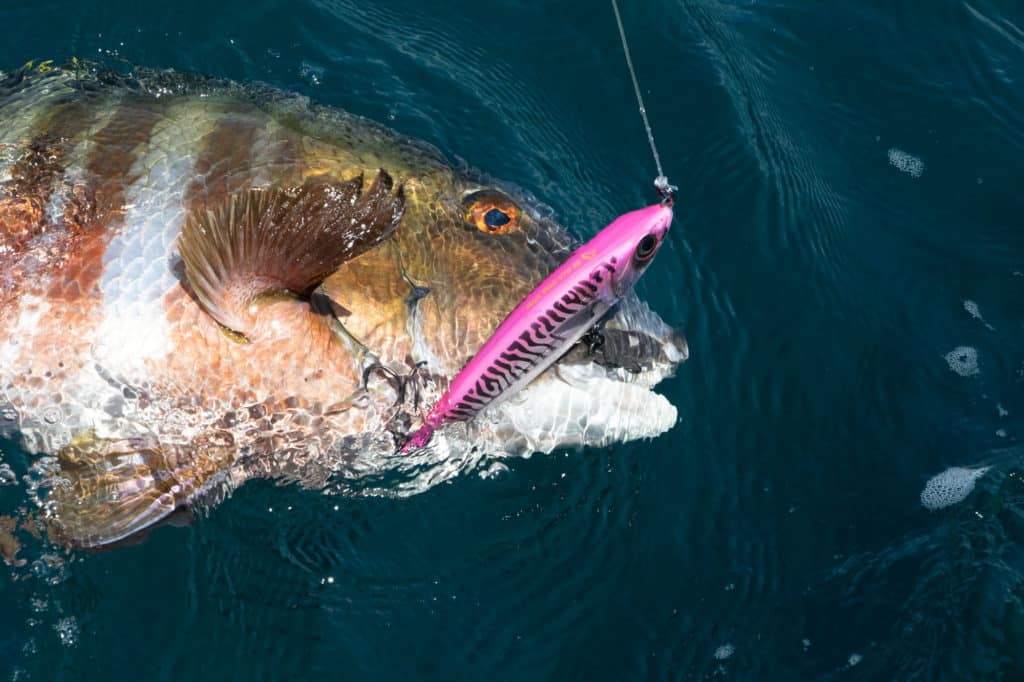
(203, 282)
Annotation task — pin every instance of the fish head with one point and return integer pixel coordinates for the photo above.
(464, 255)
(479, 250)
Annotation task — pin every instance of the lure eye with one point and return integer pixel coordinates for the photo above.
(491, 212)
(645, 249)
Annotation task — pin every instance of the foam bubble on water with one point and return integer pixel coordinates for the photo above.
(1001, 433)
(493, 470)
(50, 568)
(972, 308)
(724, 651)
(311, 73)
(906, 163)
(67, 630)
(950, 487)
(7, 476)
(854, 659)
(963, 360)
(1002, 410)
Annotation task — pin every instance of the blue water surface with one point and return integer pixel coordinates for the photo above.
(850, 212)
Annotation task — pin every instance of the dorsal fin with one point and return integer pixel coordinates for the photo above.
(264, 241)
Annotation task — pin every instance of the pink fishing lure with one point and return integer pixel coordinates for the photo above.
(551, 318)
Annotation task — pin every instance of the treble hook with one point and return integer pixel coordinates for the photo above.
(401, 381)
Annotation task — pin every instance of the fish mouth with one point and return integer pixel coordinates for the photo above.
(600, 392)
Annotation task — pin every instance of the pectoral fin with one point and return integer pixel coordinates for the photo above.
(266, 242)
(109, 490)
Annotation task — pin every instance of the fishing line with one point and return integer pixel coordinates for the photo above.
(665, 190)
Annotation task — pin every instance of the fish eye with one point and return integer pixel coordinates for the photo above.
(645, 249)
(491, 212)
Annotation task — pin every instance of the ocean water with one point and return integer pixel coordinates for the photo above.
(843, 497)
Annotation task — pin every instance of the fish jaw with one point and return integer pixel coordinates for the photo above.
(594, 411)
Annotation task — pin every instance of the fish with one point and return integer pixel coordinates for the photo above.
(204, 282)
(552, 317)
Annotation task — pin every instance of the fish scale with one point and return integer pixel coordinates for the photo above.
(137, 263)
